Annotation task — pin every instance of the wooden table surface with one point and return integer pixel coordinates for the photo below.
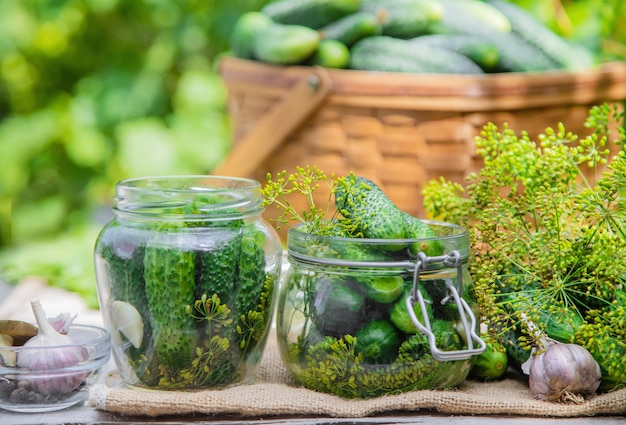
(87, 415)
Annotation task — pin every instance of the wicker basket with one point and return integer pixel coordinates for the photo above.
(400, 130)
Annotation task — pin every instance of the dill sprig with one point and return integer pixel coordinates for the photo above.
(548, 231)
(305, 182)
(329, 219)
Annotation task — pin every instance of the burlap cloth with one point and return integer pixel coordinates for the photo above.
(274, 393)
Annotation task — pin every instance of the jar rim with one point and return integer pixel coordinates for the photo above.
(188, 197)
(299, 245)
(458, 231)
(235, 182)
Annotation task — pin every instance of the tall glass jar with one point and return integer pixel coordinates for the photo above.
(361, 318)
(187, 274)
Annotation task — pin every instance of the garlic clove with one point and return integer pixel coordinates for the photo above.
(128, 321)
(7, 357)
(62, 322)
(538, 381)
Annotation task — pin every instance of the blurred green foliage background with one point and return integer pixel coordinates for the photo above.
(91, 92)
(94, 91)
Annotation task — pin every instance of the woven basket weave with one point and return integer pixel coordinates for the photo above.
(400, 130)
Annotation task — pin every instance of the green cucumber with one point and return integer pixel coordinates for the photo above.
(285, 44)
(216, 268)
(400, 316)
(383, 289)
(251, 271)
(446, 335)
(567, 55)
(169, 275)
(470, 17)
(352, 28)
(371, 214)
(310, 13)
(338, 308)
(332, 54)
(379, 341)
(561, 325)
(405, 18)
(362, 202)
(491, 364)
(517, 55)
(417, 229)
(479, 49)
(389, 54)
(516, 354)
(245, 31)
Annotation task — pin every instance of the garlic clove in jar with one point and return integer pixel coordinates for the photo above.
(564, 372)
(128, 321)
(7, 357)
(50, 353)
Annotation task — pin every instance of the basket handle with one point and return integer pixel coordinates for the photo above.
(305, 97)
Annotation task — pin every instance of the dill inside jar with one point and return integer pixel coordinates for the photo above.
(187, 274)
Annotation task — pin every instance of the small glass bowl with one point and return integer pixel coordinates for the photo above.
(28, 391)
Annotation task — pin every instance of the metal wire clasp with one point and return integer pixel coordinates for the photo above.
(468, 320)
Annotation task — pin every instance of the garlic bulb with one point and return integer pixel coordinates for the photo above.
(558, 371)
(49, 352)
(563, 372)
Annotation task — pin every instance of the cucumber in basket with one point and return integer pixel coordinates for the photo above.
(555, 47)
(388, 54)
(470, 17)
(285, 44)
(311, 13)
(484, 52)
(245, 32)
(332, 54)
(405, 18)
(517, 55)
(352, 28)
